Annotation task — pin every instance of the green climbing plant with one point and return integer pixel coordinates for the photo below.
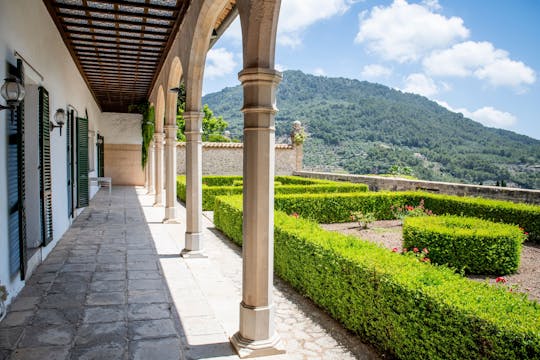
(147, 127)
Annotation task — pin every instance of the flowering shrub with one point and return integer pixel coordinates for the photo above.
(400, 212)
(416, 253)
(363, 219)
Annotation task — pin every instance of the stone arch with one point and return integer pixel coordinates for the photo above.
(194, 57)
(175, 74)
(160, 110)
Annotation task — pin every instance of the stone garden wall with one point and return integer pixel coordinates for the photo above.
(378, 183)
(227, 158)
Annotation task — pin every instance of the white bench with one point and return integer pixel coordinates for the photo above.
(104, 181)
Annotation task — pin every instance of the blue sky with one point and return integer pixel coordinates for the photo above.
(481, 57)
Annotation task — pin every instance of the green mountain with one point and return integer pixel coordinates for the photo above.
(366, 128)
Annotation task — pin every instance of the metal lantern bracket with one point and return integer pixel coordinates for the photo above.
(60, 119)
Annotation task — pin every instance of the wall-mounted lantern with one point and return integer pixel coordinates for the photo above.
(60, 119)
(13, 92)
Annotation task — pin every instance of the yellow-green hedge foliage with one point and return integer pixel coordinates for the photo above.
(409, 309)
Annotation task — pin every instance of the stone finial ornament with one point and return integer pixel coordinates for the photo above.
(298, 135)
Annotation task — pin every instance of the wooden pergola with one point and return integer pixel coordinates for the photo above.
(119, 45)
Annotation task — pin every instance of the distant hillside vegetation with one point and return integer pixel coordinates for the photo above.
(365, 128)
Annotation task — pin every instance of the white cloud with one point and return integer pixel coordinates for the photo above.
(280, 67)
(481, 60)
(420, 84)
(297, 15)
(319, 71)
(405, 32)
(234, 32)
(486, 115)
(219, 62)
(432, 4)
(506, 72)
(373, 71)
(492, 117)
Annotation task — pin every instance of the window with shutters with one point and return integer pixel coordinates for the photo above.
(45, 168)
(82, 162)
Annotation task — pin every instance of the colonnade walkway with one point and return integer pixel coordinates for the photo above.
(115, 287)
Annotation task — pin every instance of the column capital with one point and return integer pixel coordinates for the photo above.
(170, 131)
(257, 74)
(170, 127)
(158, 137)
(193, 115)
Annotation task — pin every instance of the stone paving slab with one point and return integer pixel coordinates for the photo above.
(115, 287)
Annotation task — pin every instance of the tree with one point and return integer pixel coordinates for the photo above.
(213, 127)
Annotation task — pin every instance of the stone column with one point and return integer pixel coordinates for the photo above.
(158, 140)
(170, 173)
(257, 335)
(194, 243)
(151, 169)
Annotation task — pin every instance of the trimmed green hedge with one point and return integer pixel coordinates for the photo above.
(325, 208)
(409, 309)
(241, 183)
(223, 185)
(470, 244)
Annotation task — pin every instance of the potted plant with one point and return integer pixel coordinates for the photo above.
(3, 297)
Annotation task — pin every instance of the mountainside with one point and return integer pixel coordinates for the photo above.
(365, 128)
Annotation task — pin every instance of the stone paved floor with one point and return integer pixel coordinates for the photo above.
(115, 288)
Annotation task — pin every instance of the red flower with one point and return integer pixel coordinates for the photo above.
(409, 208)
(415, 250)
(425, 251)
(426, 260)
(395, 250)
(500, 279)
(294, 215)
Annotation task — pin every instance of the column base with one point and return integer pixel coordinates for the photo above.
(193, 254)
(254, 348)
(170, 216)
(193, 247)
(194, 241)
(171, 221)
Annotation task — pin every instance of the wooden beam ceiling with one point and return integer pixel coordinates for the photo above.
(120, 46)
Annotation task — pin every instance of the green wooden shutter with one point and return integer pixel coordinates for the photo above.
(13, 193)
(45, 166)
(69, 168)
(82, 162)
(16, 185)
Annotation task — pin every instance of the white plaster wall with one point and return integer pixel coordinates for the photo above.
(121, 128)
(26, 26)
